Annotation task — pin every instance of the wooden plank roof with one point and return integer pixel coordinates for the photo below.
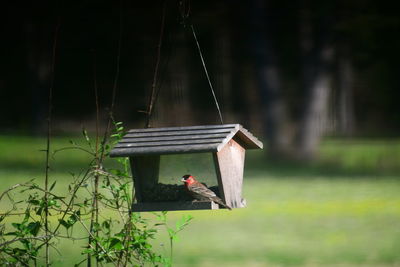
(189, 139)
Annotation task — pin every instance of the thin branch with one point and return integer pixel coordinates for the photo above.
(25, 238)
(94, 218)
(73, 147)
(71, 237)
(12, 214)
(114, 91)
(10, 189)
(85, 176)
(48, 193)
(50, 103)
(17, 258)
(115, 84)
(93, 237)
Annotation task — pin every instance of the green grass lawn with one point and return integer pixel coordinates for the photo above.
(342, 210)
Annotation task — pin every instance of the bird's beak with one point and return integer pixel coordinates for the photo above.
(183, 180)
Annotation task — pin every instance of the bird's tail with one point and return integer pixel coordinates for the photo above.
(219, 202)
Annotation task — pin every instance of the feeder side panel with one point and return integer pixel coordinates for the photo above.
(145, 173)
(229, 166)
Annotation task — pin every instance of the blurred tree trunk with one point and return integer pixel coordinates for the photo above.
(38, 48)
(268, 78)
(317, 55)
(223, 77)
(179, 73)
(345, 85)
(173, 105)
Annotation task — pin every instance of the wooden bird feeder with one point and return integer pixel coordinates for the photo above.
(225, 143)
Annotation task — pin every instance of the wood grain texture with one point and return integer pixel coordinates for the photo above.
(229, 167)
(169, 143)
(176, 140)
(247, 139)
(164, 150)
(179, 133)
(172, 138)
(198, 127)
(226, 142)
(145, 173)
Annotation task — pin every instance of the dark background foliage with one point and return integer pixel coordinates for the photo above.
(263, 57)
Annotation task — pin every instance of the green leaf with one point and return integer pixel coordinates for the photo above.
(39, 211)
(171, 232)
(106, 225)
(73, 218)
(64, 223)
(53, 185)
(87, 251)
(34, 202)
(178, 226)
(11, 233)
(96, 227)
(27, 215)
(116, 244)
(85, 134)
(27, 244)
(33, 228)
(16, 225)
(52, 202)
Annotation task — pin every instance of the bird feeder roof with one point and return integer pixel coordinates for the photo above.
(189, 139)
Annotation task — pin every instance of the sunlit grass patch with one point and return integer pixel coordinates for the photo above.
(343, 210)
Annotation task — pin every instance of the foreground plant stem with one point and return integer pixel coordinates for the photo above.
(46, 182)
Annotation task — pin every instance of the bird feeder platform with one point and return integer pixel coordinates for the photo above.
(226, 144)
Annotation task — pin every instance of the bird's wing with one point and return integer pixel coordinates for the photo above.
(203, 191)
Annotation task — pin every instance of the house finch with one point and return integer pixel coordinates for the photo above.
(200, 192)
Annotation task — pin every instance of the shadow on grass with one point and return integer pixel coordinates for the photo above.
(68, 166)
(338, 158)
(254, 167)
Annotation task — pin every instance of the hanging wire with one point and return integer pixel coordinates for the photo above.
(206, 72)
(184, 9)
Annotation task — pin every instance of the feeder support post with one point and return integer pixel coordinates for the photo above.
(229, 167)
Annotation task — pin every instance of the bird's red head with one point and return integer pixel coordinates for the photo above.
(188, 179)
